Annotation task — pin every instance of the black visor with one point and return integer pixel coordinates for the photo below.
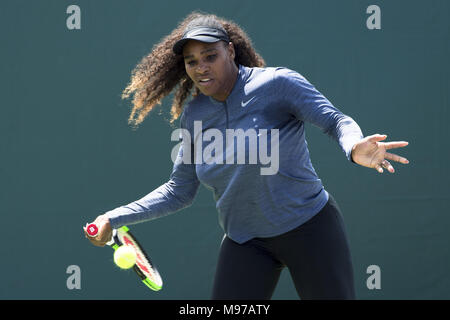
(203, 34)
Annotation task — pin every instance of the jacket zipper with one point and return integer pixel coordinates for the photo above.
(226, 114)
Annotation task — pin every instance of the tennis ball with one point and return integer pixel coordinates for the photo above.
(125, 257)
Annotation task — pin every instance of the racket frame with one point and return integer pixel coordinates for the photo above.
(115, 243)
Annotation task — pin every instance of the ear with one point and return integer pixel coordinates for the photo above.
(230, 48)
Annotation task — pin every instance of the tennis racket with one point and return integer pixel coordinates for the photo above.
(144, 268)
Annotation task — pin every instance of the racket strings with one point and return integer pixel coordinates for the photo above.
(142, 262)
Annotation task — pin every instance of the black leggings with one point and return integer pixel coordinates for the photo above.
(316, 254)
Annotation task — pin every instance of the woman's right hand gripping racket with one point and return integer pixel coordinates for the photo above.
(144, 268)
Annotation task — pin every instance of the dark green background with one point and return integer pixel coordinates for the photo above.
(67, 153)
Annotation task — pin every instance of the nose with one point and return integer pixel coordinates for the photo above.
(202, 68)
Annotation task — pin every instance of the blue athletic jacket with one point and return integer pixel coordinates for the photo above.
(272, 104)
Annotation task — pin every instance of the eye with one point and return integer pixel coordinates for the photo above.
(211, 57)
(191, 63)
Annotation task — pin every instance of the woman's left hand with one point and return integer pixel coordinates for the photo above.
(371, 152)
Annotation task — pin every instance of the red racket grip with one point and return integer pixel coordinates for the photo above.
(92, 230)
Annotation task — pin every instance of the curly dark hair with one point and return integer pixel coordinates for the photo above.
(159, 72)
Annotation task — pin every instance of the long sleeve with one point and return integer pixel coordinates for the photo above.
(174, 195)
(307, 104)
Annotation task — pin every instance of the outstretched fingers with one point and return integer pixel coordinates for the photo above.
(395, 144)
(396, 158)
(386, 165)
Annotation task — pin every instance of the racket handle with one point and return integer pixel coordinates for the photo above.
(92, 230)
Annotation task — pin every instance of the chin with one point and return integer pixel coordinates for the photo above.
(207, 93)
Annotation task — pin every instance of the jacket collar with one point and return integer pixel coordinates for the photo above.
(237, 88)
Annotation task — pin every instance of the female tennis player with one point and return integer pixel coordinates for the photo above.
(284, 218)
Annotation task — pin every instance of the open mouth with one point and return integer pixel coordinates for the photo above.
(205, 81)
